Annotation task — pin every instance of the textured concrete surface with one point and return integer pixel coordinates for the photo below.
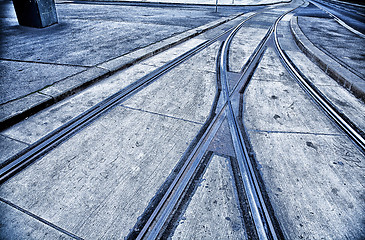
(338, 70)
(335, 40)
(17, 225)
(10, 147)
(340, 97)
(312, 172)
(99, 192)
(89, 35)
(100, 181)
(37, 75)
(213, 212)
(209, 2)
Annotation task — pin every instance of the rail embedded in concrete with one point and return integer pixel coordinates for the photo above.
(75, 83)
(344, 123)
(335, 70)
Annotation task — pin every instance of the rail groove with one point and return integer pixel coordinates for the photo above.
(332, 112)
(264, 226)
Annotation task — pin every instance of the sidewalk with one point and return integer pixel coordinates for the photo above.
(336, 50)
(39, 67)
(42, 66)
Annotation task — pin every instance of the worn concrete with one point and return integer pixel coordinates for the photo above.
(191, 76)
(39, 125)
(213, 212)
(312, 172)
(100, 191)
(93, 191)
(83, 40)
(276, 103)
(9, 147)
(248, 38)
(210, 2)
(38, 76)
(243, 45)
(341, 98)
(15, 225)
(329, 62)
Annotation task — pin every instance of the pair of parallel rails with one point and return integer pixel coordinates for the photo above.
(155, 224)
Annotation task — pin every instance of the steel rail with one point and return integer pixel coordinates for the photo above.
(163, 210)
(56, 137)
(337, 19)
(318, 97)
(176, 189)
(248, 177)
(260, 214)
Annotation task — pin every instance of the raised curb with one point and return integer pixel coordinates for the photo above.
(37, 101)
(335, 70)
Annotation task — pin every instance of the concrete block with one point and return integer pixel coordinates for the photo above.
(34, 13)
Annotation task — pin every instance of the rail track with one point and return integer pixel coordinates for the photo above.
(156, 224)
(34, 152)
(343, 122)
(343, 12)
(262, 219)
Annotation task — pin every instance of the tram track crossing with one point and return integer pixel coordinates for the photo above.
(265, 228)
(261, 217)
(50, 141)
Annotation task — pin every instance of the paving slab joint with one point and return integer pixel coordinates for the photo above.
(78, 82)
(331, 67)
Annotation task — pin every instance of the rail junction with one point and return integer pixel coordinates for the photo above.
(247, 128)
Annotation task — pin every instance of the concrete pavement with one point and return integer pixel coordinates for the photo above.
(335, 49)
(85, 46)
(97, 184)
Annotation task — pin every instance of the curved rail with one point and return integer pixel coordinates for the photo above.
(318, 97)
(342, 22)
(53, 139)
(260, 215)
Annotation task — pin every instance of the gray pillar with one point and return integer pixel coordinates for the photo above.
(36, 13)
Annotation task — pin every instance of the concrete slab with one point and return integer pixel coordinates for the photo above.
(22, 105)
(211, 2)
(83, 42)
(311, 70)
(98, 182)
(172, 53)
(280, 104)
(38, 76)
(344, 100)
(243, 45)
(336, 41)
(186, 93)
(88, 37)
(213, 212)
(270, 68)
(337, 69)
(9, 147)
(39, 125)
(312, 172)
(74, 83)
(314, 182)
(17, 225)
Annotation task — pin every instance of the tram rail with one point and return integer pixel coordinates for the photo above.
(332, 112)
